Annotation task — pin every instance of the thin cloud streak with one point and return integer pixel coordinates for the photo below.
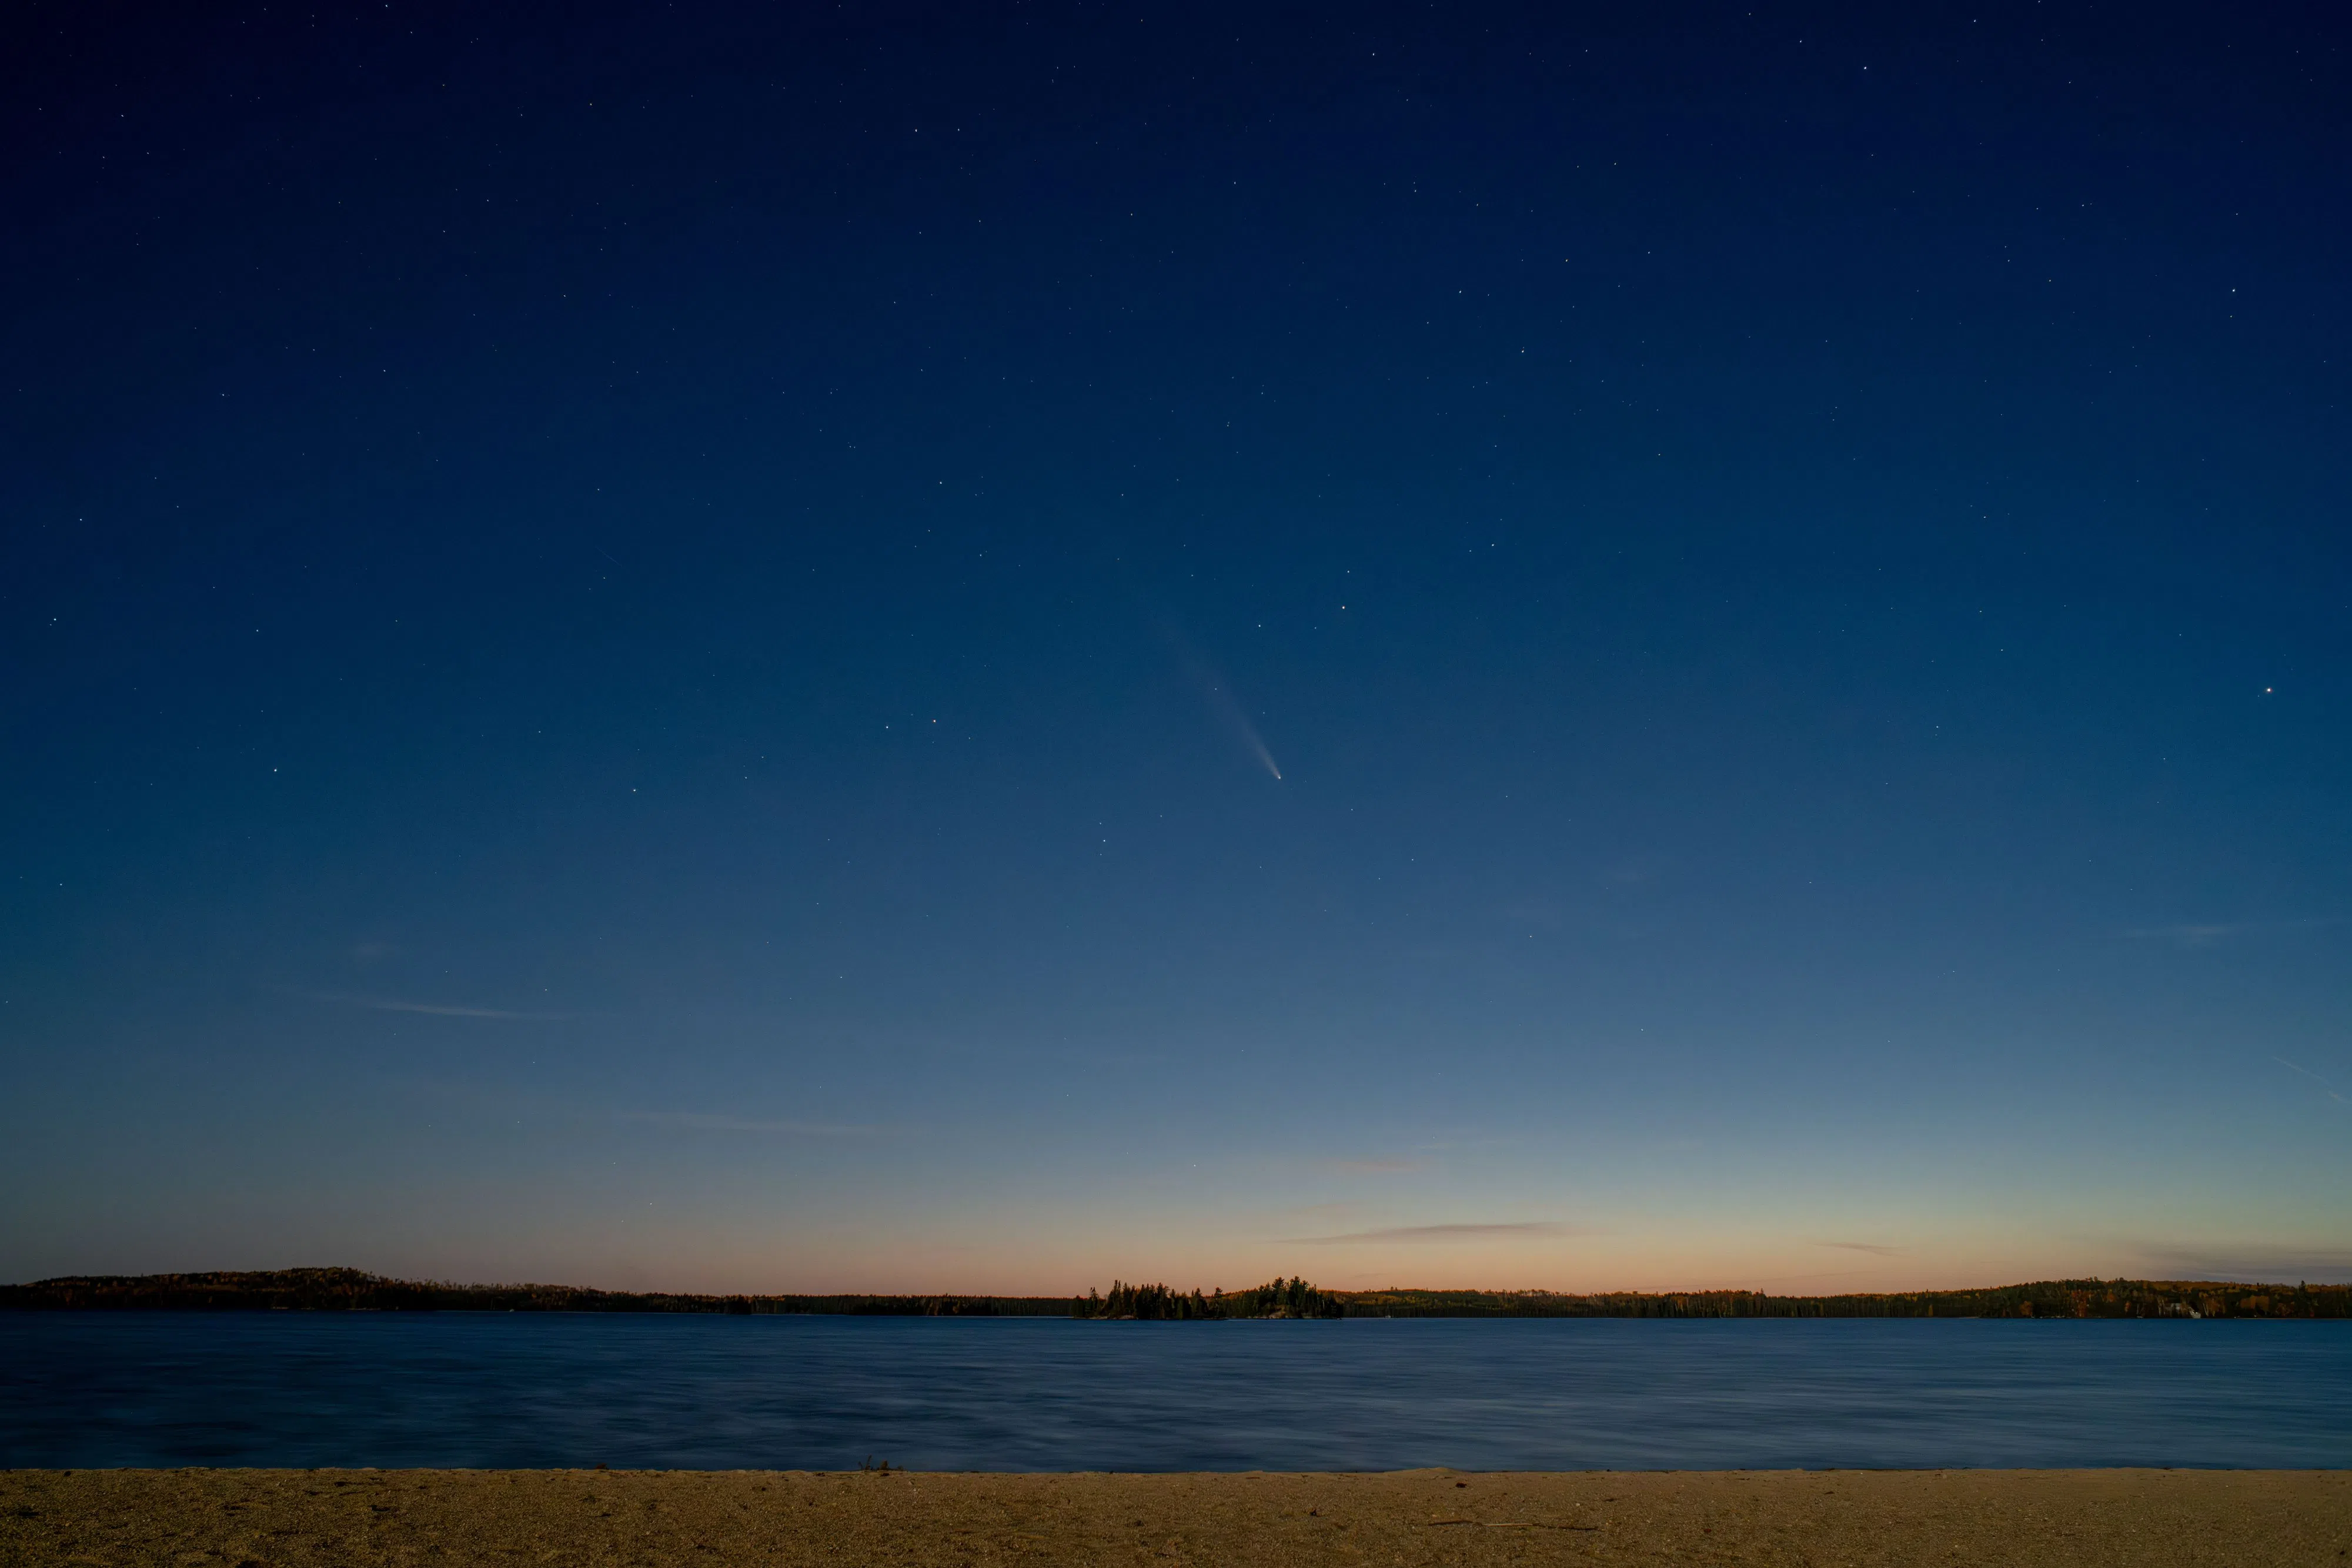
(2191, 935)
(437, 1009)
(1374, 1167)
(1876, 1249)
(699, 1122)
(1417, 1233)
(2250, 1265)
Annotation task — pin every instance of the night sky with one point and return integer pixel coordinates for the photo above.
(982, 648)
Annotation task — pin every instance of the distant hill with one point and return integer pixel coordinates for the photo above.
(2042, 1298)
(349, 1290)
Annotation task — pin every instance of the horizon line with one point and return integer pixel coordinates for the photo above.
(356, 1274)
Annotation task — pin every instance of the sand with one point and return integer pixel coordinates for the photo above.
(279, 1519)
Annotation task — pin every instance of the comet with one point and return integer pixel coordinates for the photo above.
(1231, 711)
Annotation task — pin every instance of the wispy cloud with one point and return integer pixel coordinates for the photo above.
(1876, 1249)
(437, 1009)
(1414, 1233)
(1810, 1275)
(2251, 1265)
(1374, 1167)
(441, 1010)
(2185, 935)
(2213, 934)
(699, 1122)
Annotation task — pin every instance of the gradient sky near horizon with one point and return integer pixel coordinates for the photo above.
(902, 648)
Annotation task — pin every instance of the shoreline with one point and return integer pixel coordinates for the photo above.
(355, 1289)
(297, 1518)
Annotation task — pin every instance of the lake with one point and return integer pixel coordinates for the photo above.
(89, 1389)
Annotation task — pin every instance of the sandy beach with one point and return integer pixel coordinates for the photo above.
(280, 1519)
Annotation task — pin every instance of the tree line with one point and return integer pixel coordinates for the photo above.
(1293, 1297)
(2040, 1299)
(351, 1290)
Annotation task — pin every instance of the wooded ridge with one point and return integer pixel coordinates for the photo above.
(351, 1289)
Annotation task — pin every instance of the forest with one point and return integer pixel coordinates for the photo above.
(1281, 1299)
(351, 1290)
(2040, 1299)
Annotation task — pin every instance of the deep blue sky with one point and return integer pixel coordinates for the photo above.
(651, 647)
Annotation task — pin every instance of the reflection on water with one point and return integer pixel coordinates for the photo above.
(85, 1389)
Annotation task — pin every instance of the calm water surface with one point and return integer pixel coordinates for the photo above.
(532, 1389)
